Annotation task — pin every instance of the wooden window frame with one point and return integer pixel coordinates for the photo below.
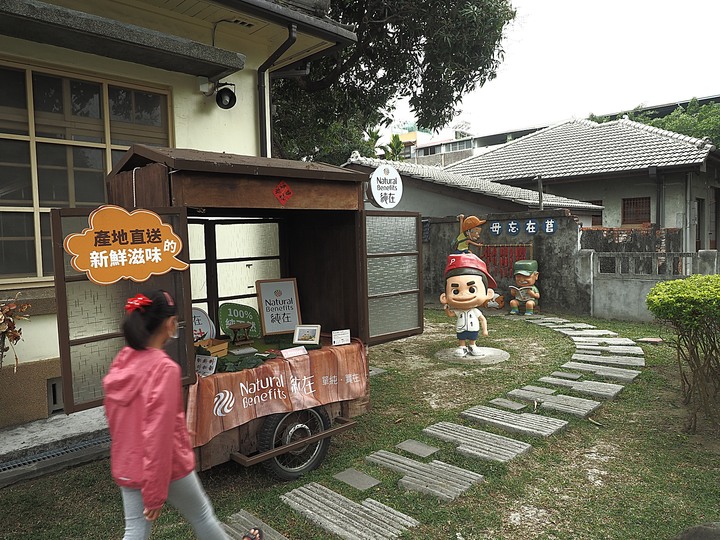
(636, 211)
(36, 207)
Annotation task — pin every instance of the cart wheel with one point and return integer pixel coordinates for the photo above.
(281, 429)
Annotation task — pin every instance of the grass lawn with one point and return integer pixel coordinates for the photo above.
(632, 475)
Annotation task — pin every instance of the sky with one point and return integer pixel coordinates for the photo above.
(566, 59)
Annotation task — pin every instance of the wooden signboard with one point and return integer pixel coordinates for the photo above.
(278, 305)
(124, 245)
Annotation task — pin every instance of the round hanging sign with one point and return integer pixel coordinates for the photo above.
(386, 187)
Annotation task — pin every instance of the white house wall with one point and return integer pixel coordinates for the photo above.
(196, 120)
(435, 205)
(611, 192)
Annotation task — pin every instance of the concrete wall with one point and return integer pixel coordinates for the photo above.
(559, 283)
(570, 280)
(24, 393)
(622, 295)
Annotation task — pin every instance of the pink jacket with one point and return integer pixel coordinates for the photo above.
(144, 406)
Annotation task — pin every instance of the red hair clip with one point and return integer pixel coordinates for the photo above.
(137, 302)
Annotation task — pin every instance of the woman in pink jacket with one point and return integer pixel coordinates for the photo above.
(150, 454)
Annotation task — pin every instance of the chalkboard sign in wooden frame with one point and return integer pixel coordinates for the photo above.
(278, 305)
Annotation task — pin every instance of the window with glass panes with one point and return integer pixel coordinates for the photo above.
(60, 134)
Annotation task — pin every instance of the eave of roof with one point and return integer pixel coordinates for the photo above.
(76, 30)
(185, 159)
(324, 28)
(436, 175)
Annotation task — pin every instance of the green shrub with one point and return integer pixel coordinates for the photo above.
(692, 307)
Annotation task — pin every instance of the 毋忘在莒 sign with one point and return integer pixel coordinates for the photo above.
(124, 245)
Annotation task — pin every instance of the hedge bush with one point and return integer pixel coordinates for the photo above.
(692, 307)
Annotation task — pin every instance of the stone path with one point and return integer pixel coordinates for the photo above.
(614, 360)
(599, 353)
(534, 425)
(561, 403)
(597, 389)
(346, 518)
(436, 478)
(477, 443)
(608, 372)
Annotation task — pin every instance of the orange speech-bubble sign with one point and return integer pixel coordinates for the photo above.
(124, 245)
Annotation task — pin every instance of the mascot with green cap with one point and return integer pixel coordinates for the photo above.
(525, 292)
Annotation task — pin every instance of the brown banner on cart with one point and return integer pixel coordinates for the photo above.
(224, 401)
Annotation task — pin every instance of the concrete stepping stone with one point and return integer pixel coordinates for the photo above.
(612, 349)
(477, 443)
(617, 374)
(357, 479)
(508, 404)
(539, 319)
(416, 447)
(241, 522)
(600, 340)
(566, 375)
(596, 389)
(534, 425)
(444, 481)
(633, 361)
(651, 340)
(588, 333)
(539, 389)
(572, 326)
(344, 517)
(568, 404)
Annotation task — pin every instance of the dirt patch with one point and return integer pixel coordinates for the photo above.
(445, 388)
(528, 521)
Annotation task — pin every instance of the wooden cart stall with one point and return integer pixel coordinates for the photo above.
(317, 212)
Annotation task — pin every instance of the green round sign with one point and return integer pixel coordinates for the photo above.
(231, 313)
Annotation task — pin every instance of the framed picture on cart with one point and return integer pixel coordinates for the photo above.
(307, 334)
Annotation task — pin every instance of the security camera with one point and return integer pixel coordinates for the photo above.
(225, 98)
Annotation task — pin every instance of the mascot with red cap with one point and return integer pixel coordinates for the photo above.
(468, 285)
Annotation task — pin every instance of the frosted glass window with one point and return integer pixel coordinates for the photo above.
(198, 281)
(392, 274)
(247, 240)
(394, 314)
(90, 362)
(391, 234)
(196, 241)
(95, 309)
(238, 278)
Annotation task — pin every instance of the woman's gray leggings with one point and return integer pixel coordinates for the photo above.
(187, 496)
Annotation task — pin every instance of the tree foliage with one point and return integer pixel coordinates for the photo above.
(394, 149)
(695, 120)
(430, 51)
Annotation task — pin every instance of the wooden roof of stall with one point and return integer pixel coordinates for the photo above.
(185, 159)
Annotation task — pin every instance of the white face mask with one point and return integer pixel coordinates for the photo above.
(176, 333)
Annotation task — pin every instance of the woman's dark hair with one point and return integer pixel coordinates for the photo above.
(144, 320)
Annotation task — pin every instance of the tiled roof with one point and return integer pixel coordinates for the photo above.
(436, 175)
(581, 147)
